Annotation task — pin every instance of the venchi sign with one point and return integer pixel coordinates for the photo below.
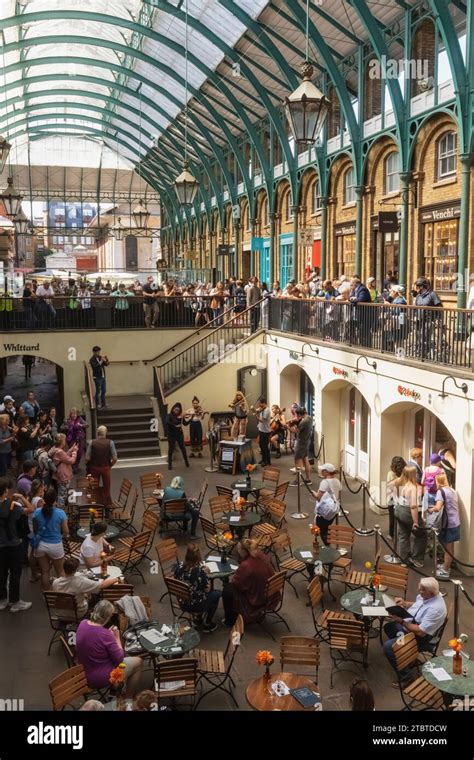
(409, 392)
(341, 372)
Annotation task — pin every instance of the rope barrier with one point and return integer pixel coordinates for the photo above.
(471, 601)
(379, 506)
(347, 484)
(458, 561)
(370, 532)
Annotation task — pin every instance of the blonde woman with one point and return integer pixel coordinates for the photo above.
(64, 461)
(447, 498)
(406, 495)
(241, 412)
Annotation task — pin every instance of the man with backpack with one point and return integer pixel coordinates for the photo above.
(14, 509)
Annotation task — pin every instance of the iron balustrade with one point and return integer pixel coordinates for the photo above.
(441, 336)
(102, 312)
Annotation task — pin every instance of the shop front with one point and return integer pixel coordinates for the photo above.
(345, 249)
(385, 252)
(439, 237)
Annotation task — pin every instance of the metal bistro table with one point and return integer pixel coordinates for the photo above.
(245, 490)
(351, 601)
(246, 520)
(112, 532)
(327, 555)
(457, 686)
(260, 697)
(225, 570)
(170, 647)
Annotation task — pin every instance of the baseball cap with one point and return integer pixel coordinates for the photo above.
(370, 279)
(328, 467)
(397, 288)
(8, 398)
(420, 281)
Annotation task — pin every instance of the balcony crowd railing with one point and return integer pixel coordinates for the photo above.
(441, 336)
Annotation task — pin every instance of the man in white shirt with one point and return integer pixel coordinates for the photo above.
(45, 309)
(73, 582)
(427, 615)
(264, 431)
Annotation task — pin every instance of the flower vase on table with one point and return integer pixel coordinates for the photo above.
(457, 646)
(117, 685)
(315, 532)
(264, 657)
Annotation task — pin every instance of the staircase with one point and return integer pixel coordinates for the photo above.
(127, 419)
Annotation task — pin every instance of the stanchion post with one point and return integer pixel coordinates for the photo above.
(299, 515)
(435, 552)
(377, 540)
(364, 528)
(211, 441)
(457, 591)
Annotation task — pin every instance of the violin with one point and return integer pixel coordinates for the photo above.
(275, 420)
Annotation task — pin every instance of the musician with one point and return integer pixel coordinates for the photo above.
(196, 416)
(304, 425)
(278, 426)
(174, 432)
(241, 412)
(98, 364)
(263, 415)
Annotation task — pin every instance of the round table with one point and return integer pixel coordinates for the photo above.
(246, 522)
(254, 487)
(457, 686)
(168, 648)
(225, 571)
(112, 572)
(112, 532)
(260, 697)
(351, 601)
(327, 555)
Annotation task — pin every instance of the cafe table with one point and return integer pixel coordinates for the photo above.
(261, 697)
(457, 686)
(245, 489)
(326, 555)
(241, 521)
(171, 646)
(111, 533)
(112, 572)
(352, 602)
(224, 569)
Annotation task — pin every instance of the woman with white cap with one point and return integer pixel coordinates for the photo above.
(372, 288)
(327, 499)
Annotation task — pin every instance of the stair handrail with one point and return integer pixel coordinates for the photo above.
(212, 332)
(90, 394)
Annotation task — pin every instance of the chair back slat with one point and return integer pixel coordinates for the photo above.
(179, 589)
(173, 508)
(315, 592)
(224, 491)
(275, 584)
(281, 489)
(68, 686)
(151, 521)
(167, 551)
(341, 535)
(271, 475)
(405, 650)
(140, 541)
(299, 650)
(112, 593)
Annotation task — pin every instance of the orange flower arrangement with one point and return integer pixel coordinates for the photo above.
(374, 577)
(93, 512)
(457, 644)
(222, 539)
(264, 657)
(250, 467)
(117, 675)
(315, 530)
(227, 535)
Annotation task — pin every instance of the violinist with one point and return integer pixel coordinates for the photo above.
(264, 430)
(174, 432)
(241, 412)
(278, 426)
(196, 415)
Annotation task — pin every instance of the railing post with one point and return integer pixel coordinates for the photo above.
(457, 590)
(299, 515)
(435, 551)
(364, 528)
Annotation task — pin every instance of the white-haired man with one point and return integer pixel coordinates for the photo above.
(426, 616)
(101, 456)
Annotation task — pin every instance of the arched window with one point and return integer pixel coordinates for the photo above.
(315, 197)
(265, 212)
(446, 161)
(349, 187)
(287, 207)
(392, 173)
(131, 253)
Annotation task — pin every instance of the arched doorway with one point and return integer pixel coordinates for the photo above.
(406, 425)
(345, 417)
(296, 386)
(45, 378)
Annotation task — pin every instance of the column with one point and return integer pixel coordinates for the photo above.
(463, 254)
(295, 212)
(405, 189)
(324, 236)
(271, 271)
(359, 191)
(236, 268)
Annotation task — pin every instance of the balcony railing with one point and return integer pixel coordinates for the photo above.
(105, 312)
(440, 336)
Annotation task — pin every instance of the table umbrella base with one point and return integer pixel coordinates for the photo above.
(211, 469)
(299, 516)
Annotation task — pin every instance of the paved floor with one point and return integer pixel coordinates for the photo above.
(42, 381)
(24, 637)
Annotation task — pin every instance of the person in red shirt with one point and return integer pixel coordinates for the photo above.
(245, 594)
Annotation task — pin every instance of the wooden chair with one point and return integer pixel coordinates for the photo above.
(274, 513)
(348, 640)
(167, 552)
(151, 522)
(179, 593)
(147, 486)
(224, 491)
(124, 621)
(274, 592)
(281, 545)
(120, 503)
(395, 577)
(69, 650)
(218, 506)
(270, 476)
(84, 482)
(174, 511)
(199, 500)
(209, 531)
(435, 639)
(342, 537)
(167, 671)
(300, 650)
(356, 578)
(83, 515)
(263, 535)
(419, 692)
(215, 667)
(63, 614)
(112, 593)
(67, 687)
(321, 616)
(280, 490)
(129, 557)
(124, 519)
(72, 549)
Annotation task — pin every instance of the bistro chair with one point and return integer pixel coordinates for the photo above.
(321, 616)
(167, 671)
(435, 640)
(112, 593)
(274, 592)
(356, 578)
(120, 503)
(224, 491)
(167, 551)
(342, 537)
(215, 667)
(83, 514)
(179, 593)
(263, 535)
(395, 577)
(124, 519)
(210, 531)
(174, 511)
(63, 614)
(69, 650)
(274, 512)
(199, 500)
(270, 476)
(129, 557)
(300, 650)
(72, 549)
(151, 522)
(67, 687)
(218, 507)
(147, 486)
(281, 545)
(348, 642)
(419, 693)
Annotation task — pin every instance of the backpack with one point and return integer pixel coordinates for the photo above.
(438, 520)
(12, 527)
(429, 481)
(327, 507)
(45, 464)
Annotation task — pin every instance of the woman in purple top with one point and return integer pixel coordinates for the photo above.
(447, 498)
(99, 650)
(75, 429)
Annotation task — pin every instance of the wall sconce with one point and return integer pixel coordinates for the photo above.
(312, 348)
(463, 387)
(370, 364)
(274, 340)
